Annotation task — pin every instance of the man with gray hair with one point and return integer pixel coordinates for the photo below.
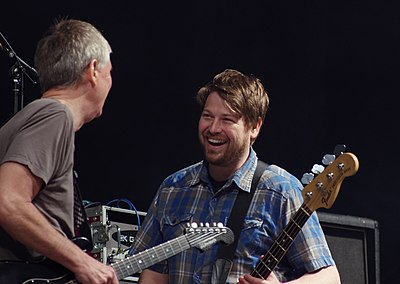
(37, 220)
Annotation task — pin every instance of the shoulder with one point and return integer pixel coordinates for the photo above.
(280, 180)
(41, 110)
(41, 115)
(184, 177)
(45, 104)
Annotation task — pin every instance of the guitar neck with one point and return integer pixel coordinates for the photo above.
(149, 257)
(200, 237)
(319, 192)
(275, 254)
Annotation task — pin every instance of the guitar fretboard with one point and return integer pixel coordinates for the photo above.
(149, 257)
(282, 243)
(202, 238)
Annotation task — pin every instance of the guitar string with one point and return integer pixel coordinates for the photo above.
(133, 262)
(149, 257)
(198, 239)
(195, 238)
(294, 227)
(281, 244)
(278, 249)
(127, 266)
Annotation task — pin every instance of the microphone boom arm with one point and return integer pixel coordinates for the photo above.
(17, 72)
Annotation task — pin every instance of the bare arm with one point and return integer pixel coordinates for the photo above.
(25, 223)
(326, 275)
(151, 277)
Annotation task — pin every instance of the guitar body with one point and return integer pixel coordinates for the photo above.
(39, 273)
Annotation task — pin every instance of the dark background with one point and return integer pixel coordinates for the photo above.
(331, 69)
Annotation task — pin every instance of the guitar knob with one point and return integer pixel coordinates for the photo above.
(328, 159)
(339, 149)
(317, 169)
(307, 178)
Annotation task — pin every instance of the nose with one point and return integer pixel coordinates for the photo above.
(215, 126)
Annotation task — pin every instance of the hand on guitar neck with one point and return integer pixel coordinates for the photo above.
(201, 237)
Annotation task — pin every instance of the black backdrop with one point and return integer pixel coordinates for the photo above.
(330, 68)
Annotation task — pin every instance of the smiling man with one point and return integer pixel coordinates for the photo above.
(233, 110)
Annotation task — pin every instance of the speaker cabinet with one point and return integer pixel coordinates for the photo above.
(354, 244)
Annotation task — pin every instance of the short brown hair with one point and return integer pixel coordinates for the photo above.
(244, 94)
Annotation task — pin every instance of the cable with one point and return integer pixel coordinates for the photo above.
(129, 203)
(88, 204)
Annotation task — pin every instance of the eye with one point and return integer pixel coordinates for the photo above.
(229, 120)
(205, 115)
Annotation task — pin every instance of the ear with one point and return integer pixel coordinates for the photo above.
(92, 73)
(256, 129)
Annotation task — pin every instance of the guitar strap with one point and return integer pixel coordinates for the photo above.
(226, 253)
(83, 235)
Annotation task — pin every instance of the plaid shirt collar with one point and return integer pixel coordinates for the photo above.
(241, 178)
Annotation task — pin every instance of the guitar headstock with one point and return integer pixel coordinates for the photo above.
(203, 236)
(324, 188)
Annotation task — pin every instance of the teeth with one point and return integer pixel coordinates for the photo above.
(215, 141)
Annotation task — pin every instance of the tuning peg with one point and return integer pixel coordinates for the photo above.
(317, 169)
(307, 178)
(339, 149)
(328, 159)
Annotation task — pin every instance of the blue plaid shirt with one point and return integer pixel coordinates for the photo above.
(187, 196)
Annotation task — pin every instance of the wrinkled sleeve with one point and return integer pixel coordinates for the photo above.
(309, 251)
(149, 235)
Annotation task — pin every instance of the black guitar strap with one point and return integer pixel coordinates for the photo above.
(83, 236)
(227, 252)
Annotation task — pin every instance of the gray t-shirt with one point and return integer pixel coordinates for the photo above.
(41, 136)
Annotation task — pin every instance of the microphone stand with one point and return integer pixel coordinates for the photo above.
(17, 72)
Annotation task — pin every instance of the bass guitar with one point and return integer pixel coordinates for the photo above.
(320, 191)
(199, 236)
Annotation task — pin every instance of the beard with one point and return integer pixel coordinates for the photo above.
(225, 156)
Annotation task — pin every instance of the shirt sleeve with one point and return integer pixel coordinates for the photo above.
(149, 235)
(309, 251)
(41, 143)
